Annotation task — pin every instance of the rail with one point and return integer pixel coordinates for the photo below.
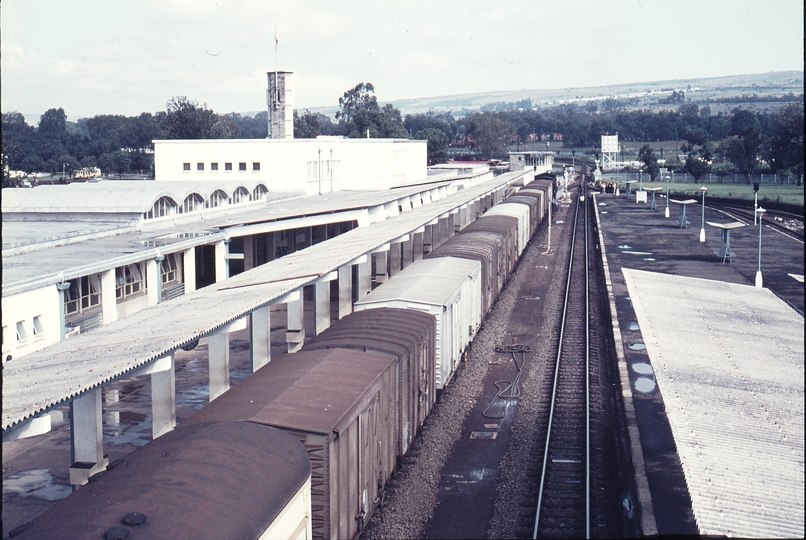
(565, 476)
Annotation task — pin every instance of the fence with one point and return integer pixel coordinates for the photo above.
(761, 178)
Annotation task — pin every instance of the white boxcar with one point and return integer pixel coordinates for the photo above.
(519, 211)
(447, 287)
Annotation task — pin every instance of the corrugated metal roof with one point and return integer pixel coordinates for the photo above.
(102, 253)
(112, 196)
(46, 378)
(427, 281)
(728, 360)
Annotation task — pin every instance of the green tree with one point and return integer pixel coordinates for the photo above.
(306, 126)
(785, 147)
(742, 147)
(53, 124)
(490, 134)
(650, 161)
(437, 144)
(187, 119)
(360, 114)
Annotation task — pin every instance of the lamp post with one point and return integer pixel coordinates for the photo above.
(702, 228)
(755, 202)
(667, 196)
(760, 211)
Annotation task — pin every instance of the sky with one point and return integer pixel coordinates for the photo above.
(93, 57)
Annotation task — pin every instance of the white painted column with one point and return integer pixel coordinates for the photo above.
(152, 275)
(417, 244)
(163, 395)
(109, 304)
(407, 251)
(260, 327)
(321, 303)
(364, 276)
(220, 261)
(381, 265)
(345, 290)
(218, 357)
(189, 269)
(395, 256)
(86, 437)
(295, 328)
(248, 252)
(453, 222)
(218, 362)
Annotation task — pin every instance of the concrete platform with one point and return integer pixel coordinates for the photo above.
(712, 372)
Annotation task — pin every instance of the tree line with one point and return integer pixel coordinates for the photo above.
(742, 141)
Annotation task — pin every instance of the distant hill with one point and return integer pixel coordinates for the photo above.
(712, 91)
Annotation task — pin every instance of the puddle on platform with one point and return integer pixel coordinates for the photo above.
(637, 347)
(649, 259)
(35, 483)
(633, 325)
(625, 246)
(637, 253)
(644, 385)
(642, 368)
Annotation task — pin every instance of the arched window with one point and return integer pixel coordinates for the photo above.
(259, 193)
(165, 206)
(218, 198)
(193, 203)
(241, 195)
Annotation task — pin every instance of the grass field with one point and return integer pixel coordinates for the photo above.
(789, 194)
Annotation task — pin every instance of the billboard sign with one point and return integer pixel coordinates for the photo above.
(609, 143)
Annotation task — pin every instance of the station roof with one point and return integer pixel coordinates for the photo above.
(729, 362)
(43, 379)
(112, 196)
(25, 268)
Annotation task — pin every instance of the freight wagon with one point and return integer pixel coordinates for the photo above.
(448, 288)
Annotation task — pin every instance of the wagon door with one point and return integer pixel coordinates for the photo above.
(369, 462)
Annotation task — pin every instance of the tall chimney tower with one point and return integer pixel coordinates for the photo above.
(280, 99)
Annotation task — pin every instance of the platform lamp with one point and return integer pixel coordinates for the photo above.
(759, 282)
(667, 196)
(703, 189)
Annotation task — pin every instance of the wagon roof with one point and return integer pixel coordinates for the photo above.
(312, 390)
(433, 282)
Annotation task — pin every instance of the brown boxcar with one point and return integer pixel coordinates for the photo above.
(485, 247)
(410, 336)
(208, 480)
(504, 226)
(342, 405)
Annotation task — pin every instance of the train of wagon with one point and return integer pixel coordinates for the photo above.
(304, 447)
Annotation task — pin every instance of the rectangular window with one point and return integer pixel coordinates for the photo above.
(22, 333)
(168, 268)
(39, 331)
(186, 166)
(213, 166)
(84, 293)
(255, 166)
(227, 166)
(200, 166)
(129, 281)
(241, 166)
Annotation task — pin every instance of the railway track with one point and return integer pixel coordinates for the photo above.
(564, 496)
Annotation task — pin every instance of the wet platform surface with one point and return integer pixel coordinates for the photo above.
(657, 319)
